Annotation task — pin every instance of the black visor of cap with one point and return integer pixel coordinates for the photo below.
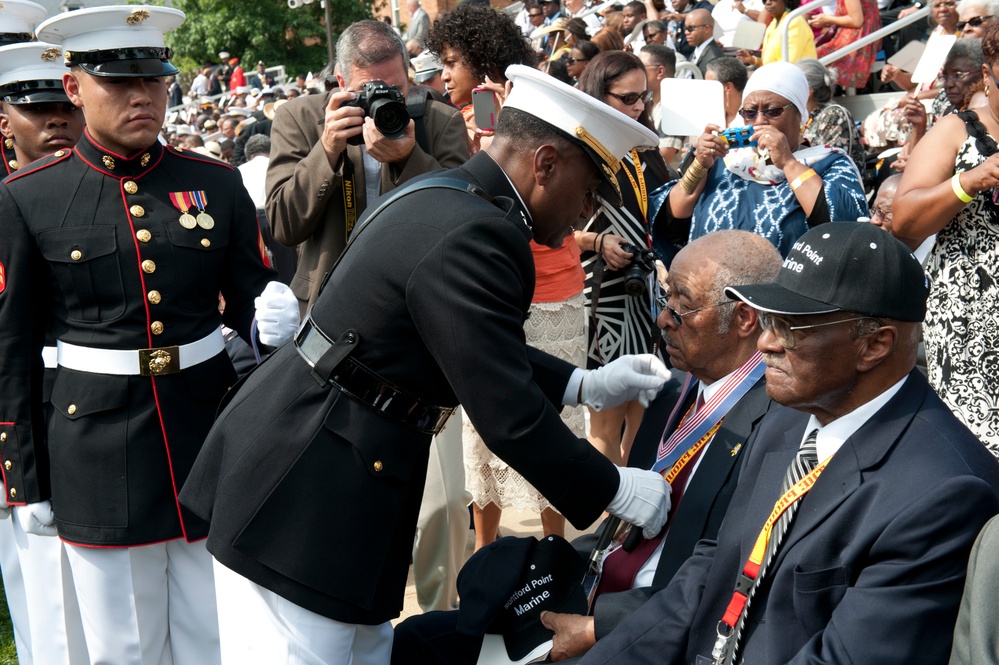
(33, 92)
(8, 38)
(138, 62)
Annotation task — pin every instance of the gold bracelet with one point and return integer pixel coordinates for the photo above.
(800, 180)
(692, 177)
(955, 184)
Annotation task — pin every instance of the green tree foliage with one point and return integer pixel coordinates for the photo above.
(267, 30)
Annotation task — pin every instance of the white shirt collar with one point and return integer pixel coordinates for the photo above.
(831, 437)
(700, 49)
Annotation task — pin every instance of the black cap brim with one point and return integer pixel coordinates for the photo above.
(139, 68)
(37, 97)
(777, 299)
(609, 189)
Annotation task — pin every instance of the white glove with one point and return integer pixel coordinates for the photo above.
(623, 380)
(277, 314)
(4, 506)
(642, 499)
(36, 518)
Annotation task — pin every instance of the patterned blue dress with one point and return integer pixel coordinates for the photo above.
(772, 211)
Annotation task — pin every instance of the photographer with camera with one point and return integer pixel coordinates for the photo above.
(330, 154)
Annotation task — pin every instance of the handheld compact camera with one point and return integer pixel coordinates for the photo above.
(738, 137)
(384, 104)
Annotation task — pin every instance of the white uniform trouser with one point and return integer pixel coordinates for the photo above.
(259, 627)
(442, 528)
(148, 605)
(39, 588)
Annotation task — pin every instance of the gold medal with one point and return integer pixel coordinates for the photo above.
(205, 221)
(187, 221)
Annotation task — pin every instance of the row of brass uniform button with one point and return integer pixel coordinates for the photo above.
(8, 464)
(148, 265)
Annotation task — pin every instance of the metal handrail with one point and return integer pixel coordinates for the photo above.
(850, 48)
(785, 38)
(694, 70)
(875, 36)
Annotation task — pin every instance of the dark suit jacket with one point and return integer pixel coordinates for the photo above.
(712, 51)
(305, 194)
(873, 566)
(315, 496)
(704, 503)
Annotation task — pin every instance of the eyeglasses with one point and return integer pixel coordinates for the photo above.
(973, 22)
(749, 115)
(572, 61)
(886, 213)
(678, 317)
(691, 28)
(630, 98)
(956, 76)
(950, 4)
(784, 331)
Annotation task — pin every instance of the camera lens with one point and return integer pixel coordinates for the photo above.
(390, 117)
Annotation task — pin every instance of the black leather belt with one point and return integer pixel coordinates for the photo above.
(366, 387)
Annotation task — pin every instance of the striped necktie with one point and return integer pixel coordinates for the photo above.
(801, 466)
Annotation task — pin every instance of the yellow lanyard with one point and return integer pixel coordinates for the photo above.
(640, 191)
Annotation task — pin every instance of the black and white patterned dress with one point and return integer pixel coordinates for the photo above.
(961, 330)
(621, 323)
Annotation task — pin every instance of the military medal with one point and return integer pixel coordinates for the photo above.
(205, 220)
(184, 201)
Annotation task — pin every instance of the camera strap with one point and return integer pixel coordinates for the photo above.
(641, 192)
(349, 196)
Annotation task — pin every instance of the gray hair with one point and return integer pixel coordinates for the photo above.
(820, 78)
(258, 144)
(367, 43)
(969, 48)
(991, 6)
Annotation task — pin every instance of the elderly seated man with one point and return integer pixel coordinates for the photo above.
(857, 505)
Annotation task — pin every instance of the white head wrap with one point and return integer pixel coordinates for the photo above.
(784, 79)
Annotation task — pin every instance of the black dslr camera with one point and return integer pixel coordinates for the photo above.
(643, 262)
(384, 104)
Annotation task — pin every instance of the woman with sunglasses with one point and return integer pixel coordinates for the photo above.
(949, 188)
(801, 40)
(777, 188)
(620, 323)
(579, 58)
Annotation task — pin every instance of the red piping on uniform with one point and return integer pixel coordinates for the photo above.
(31, 168)
(149, 337)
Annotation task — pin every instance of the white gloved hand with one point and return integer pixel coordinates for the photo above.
(277, 314)
(642, 499)
(636, 377)
(36, 518)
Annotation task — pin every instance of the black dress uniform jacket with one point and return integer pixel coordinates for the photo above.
(315, 496)
(94, 253)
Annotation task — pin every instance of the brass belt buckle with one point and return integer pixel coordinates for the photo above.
(157, 362)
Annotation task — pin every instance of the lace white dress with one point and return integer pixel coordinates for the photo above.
(556, 328)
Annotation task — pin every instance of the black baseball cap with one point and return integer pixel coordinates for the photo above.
(844, 266)
(505, 586)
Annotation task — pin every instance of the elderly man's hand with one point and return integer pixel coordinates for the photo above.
(574, 634)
